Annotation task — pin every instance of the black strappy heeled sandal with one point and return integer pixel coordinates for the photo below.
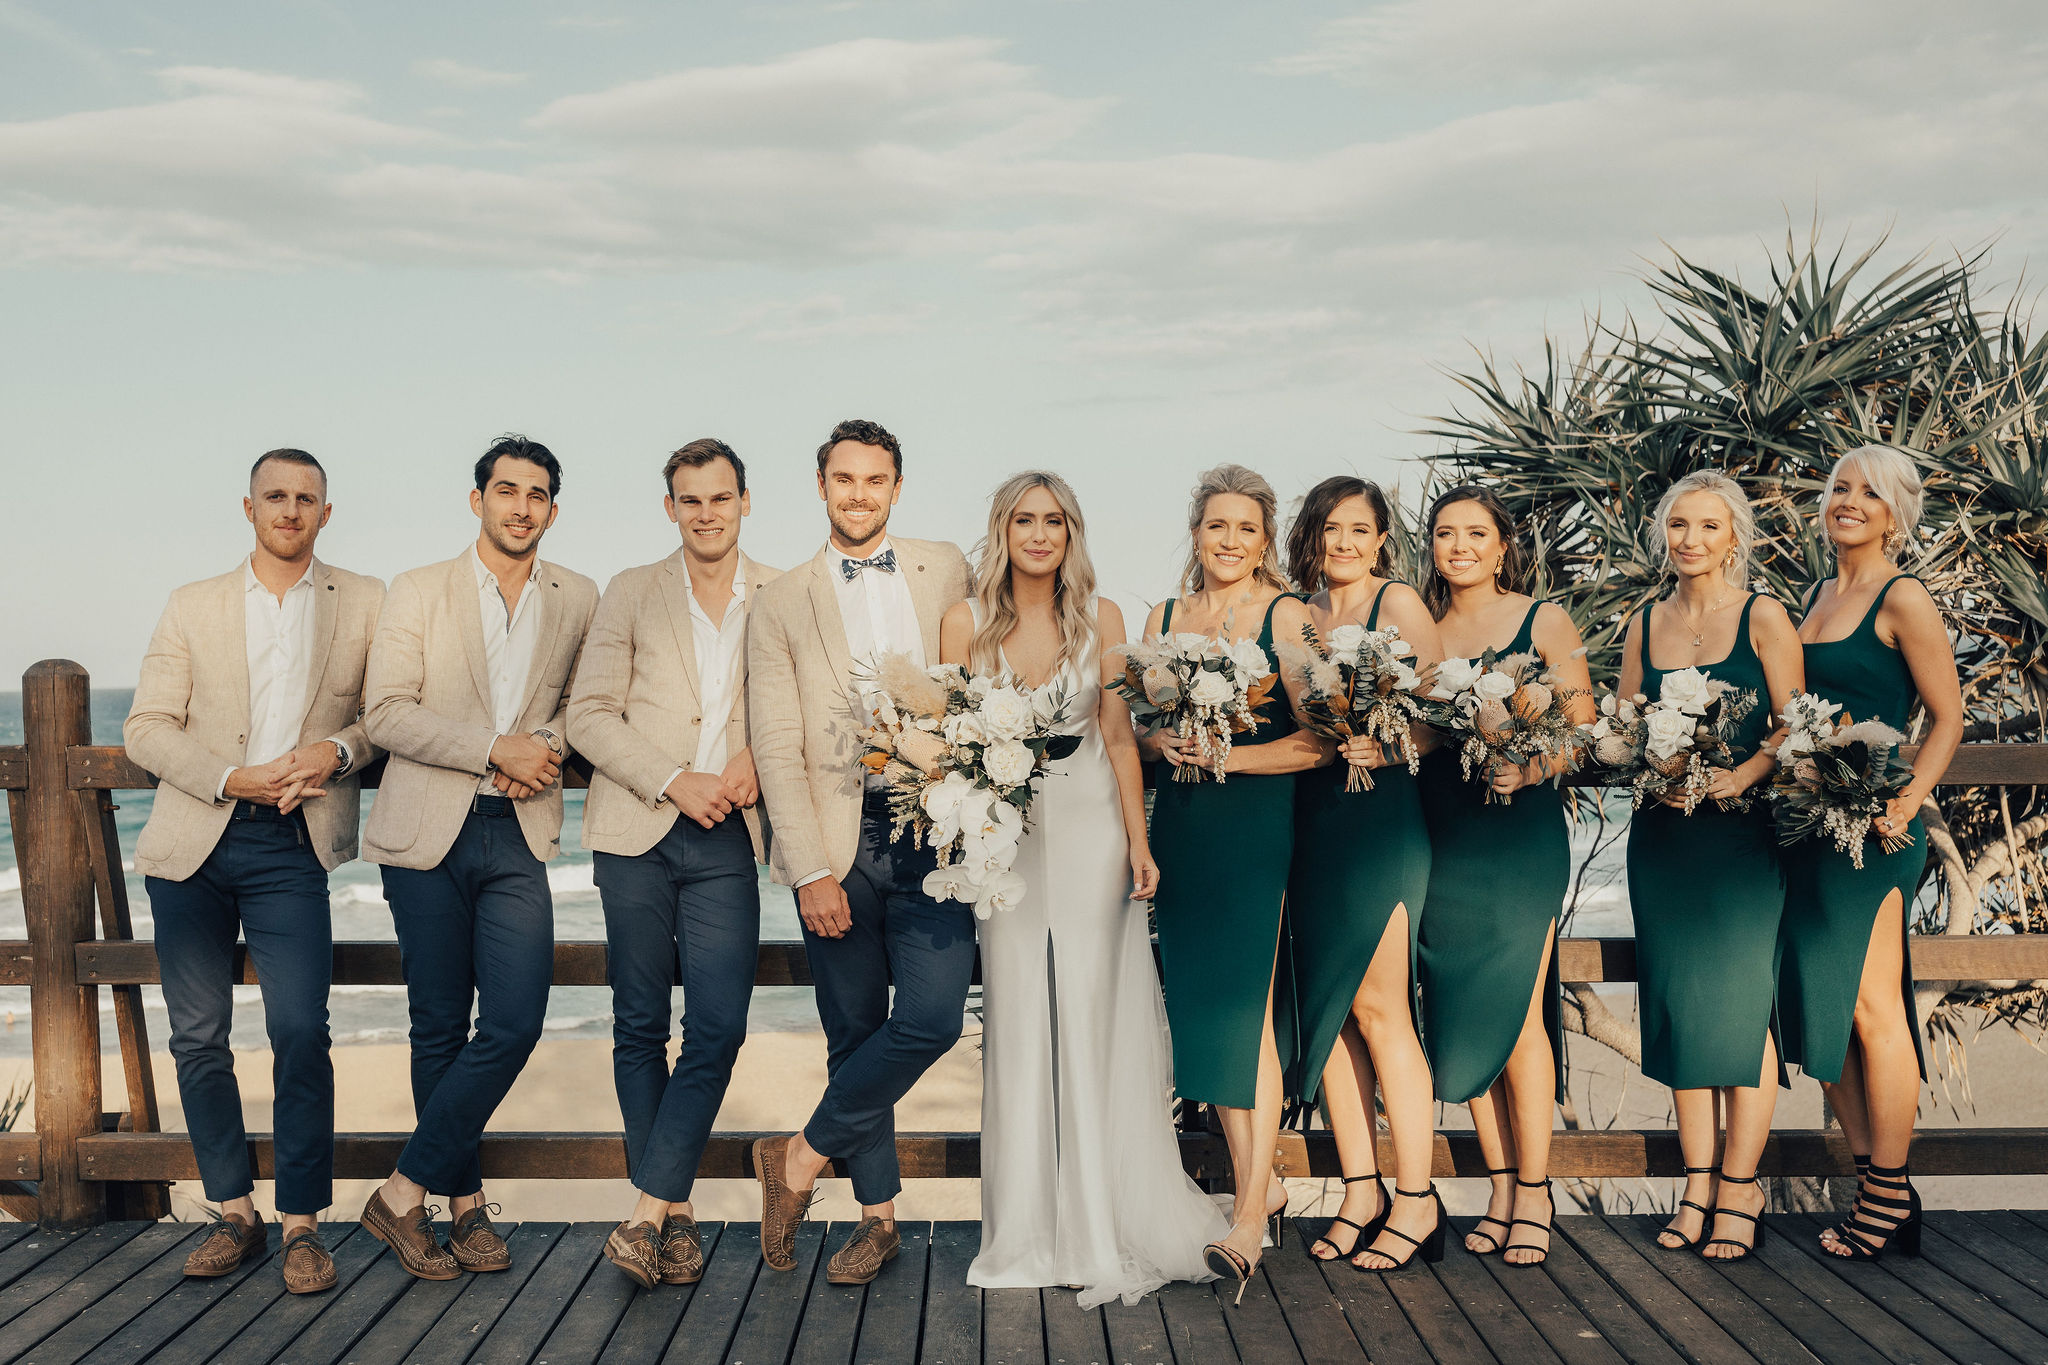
(1367, 1230)
(1477, 1231)
(1706, 1213)
(1744, 1250)
(1871, 1231)
(1544, 1251)
(1431, 1248)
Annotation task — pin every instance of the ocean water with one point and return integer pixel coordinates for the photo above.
(367, 1014)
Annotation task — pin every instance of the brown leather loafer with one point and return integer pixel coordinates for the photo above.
(682, 1251)
(636, 1249)
(412, 1237)
(226, 1245)
(308, 1265)
(873, 1245)
(782, 1209)
(476, 1244)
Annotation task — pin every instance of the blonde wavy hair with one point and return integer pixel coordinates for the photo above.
(1895, 479)
(1073, 601)
(1741, 520)
(1233, 478)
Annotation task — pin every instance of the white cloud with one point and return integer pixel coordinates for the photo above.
(462, 76)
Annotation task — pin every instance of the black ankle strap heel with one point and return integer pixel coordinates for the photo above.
(1881, 1220)
(1743, 1250)
(1477, 1231)
(1366, 1231)
(1430, 1247)
(1543, 1252)
(1706, 1213)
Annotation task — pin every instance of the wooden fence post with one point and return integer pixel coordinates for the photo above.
(57, 901)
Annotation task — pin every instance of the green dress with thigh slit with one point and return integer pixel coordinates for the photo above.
(1831, 905)
(1497, 879)
(1357, 855)
(1223, 850)
(1707, 895)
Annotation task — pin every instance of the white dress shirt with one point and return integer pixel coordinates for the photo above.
(511, 630)
(720, 648)
(876, 610)
(278, 635)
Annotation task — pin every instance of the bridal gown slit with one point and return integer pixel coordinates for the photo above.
(1081, 1182)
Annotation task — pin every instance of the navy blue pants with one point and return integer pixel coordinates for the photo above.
(264, 880)
(876, 1052)
(480, 928)
(688, 910)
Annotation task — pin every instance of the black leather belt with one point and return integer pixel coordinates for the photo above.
(496, 806)
(251, 810)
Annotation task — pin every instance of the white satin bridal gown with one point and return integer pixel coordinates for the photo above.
(1081, 1180)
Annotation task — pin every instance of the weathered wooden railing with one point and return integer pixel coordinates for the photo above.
(79, 1156)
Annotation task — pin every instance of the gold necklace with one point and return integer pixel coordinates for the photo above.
(1698, 627)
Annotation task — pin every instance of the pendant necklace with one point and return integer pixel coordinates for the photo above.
(1698, 628)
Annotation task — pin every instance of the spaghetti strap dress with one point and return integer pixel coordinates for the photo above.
(1223, 850)
(1708, 895)
(1497, 879)
(1830, 903)
(1357, 855)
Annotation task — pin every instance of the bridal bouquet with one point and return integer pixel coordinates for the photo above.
(1836, 776)
(1504, 711)
(1672, 743)
(1204, 688)
(1360, 687)
(961, 756)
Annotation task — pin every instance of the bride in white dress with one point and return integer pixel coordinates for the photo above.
(1081, 1180)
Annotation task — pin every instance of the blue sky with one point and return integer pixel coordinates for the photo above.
(1120, 240)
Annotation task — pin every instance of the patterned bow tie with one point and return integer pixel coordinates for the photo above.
(885, 561)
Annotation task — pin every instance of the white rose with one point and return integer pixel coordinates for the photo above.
(1005, 713)
(1796, 743)
(980, 686)
(1454, 676)
(1493, 685)
(1002, 891)
(1667, 731)
(1346, 639)
(1192, 646)
(1687, 690)
(945, 802)
(963, 728)
(1007, 763)
(1250, 659)
(1395, 644)
(1404, 677)
(1212, 689)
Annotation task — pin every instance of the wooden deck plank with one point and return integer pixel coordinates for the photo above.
(1681, 1322)
(10, 1233)
(1375, 1317)
(55, 1259)
(245, 1323)
(345, 1320)
(1073, 1335)
(1314, 1318)
(714, 1311)
(485, 1298)
(832, 1313)
(592, 1315)
(1762, 1335)
(2003, 1237)
(141, 1314)
(1609, 1311)
(1946, 1241)
(1258, 1329)
(644, 1333)
(1442, 1329)
(1195, 1329)
(952, 1307)
(1885, 1334)
(889, 1325)
(102, 1299)
(1012, 1327)
(408, 1319)
(516, 1336)
(1933, 1324)
(1968, 1303)
(1550, 1310)
(1136, 1332)
(1819, 1330)
(1493, 1314)
(768, 1326)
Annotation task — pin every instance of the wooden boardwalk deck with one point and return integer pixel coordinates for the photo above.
(1608, 1295)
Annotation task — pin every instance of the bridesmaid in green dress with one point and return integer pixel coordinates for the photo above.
(1706, 888)
(1497, 880)
(1876, 644)
(1361, 869)
(1223, 850)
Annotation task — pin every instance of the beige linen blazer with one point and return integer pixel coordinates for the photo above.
(427, 701)
(799, 674)
(634, 706)
(190, 719)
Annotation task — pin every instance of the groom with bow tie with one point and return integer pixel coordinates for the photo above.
(867, 921)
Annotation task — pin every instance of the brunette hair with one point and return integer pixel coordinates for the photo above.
(866, 433)
(696, 455)
(1514, 564)
(1233, 478)
(1305, 537)
(513, 446)
(287, 455)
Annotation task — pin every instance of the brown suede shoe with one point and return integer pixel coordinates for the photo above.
(476, 1244)
(308, 1266)
(873, 1245)
(682, 1251)
(226, 1245)
(412, 1237)
(635, 1249)
(782, 1209)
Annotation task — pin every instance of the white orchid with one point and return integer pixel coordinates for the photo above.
(944, 804)
(1002, 891)
(952, 882)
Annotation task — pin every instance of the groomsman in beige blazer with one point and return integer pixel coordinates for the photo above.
(248, 713)
(867, 921)
(468, 679)
(659, 707)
